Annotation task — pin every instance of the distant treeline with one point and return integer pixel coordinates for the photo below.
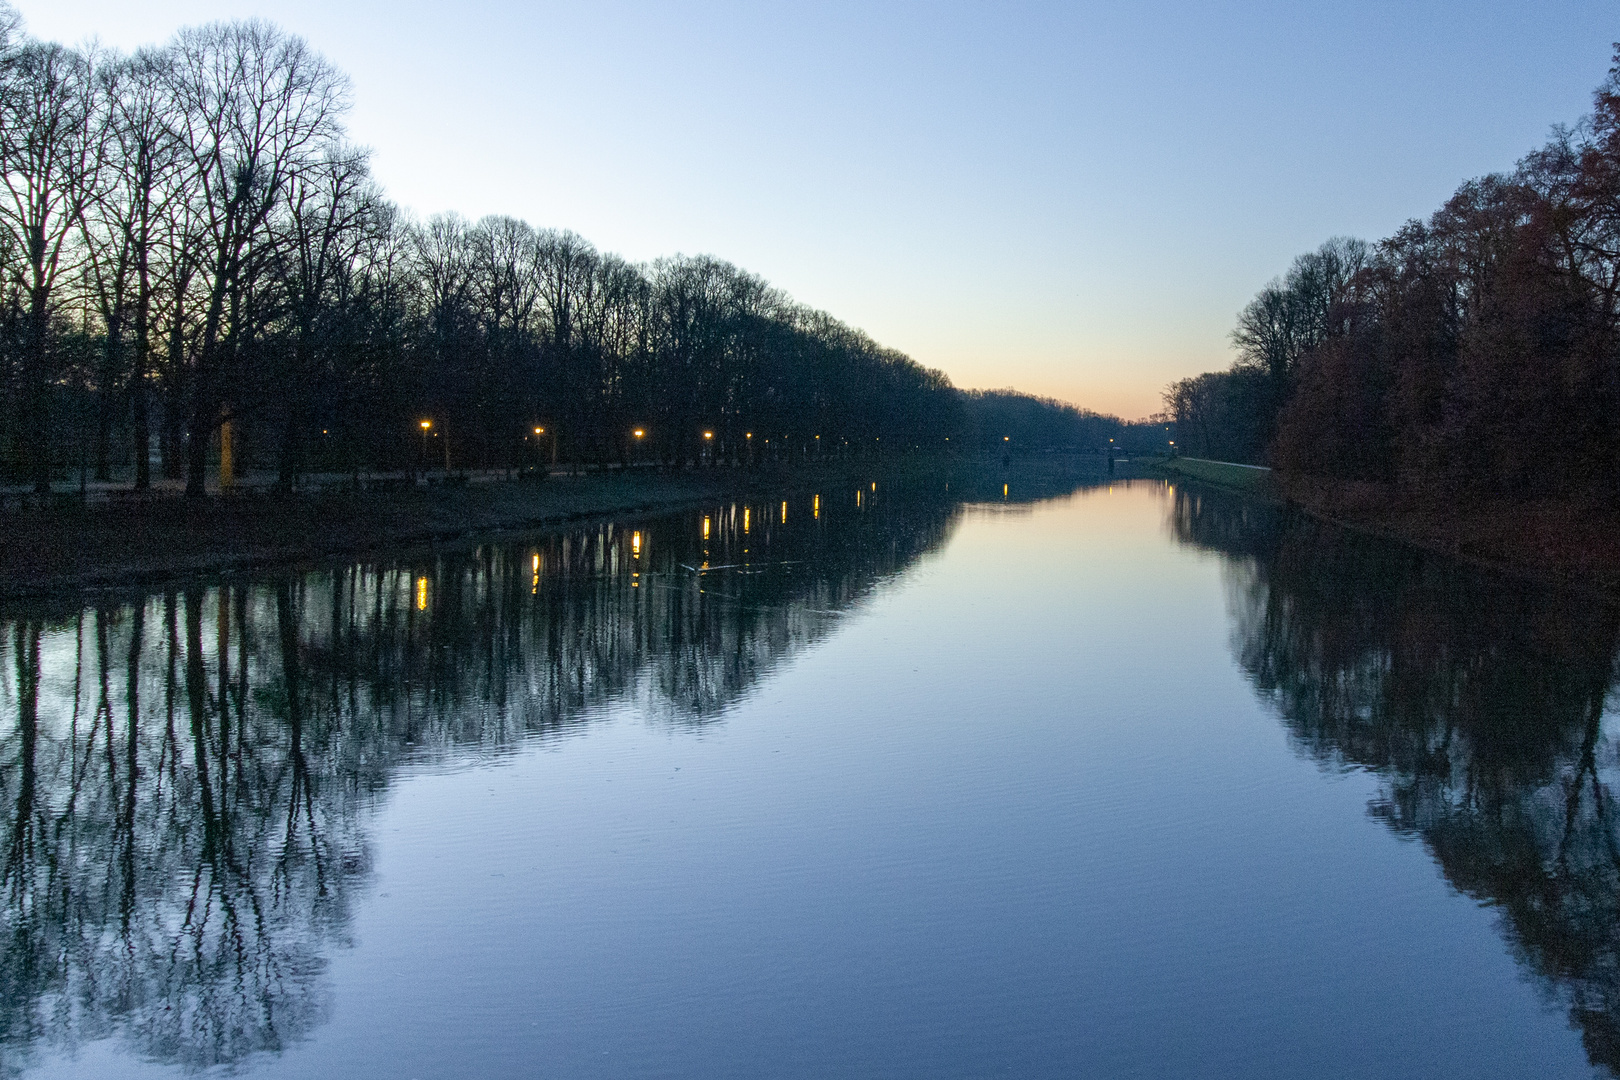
(187, 239)
(1477, 352)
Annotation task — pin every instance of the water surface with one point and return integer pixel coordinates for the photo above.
(1115, 781)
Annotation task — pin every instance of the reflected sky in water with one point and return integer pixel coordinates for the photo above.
(1112, 780)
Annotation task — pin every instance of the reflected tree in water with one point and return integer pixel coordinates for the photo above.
(168, 873)
(186, 778)
(1478, 703)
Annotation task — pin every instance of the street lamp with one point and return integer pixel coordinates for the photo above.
(426, 424)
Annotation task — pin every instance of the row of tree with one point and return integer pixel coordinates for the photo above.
(188, 240)
(1476, 352)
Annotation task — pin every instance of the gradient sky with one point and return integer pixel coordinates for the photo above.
(1073, 199)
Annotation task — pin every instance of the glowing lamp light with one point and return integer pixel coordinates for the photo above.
(708, 434)
(639, 433)
(426, 424)
(539, 431)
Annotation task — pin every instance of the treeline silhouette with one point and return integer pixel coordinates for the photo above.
(189, 239)
(1477, 352)
(1478, 704)
(187, 778)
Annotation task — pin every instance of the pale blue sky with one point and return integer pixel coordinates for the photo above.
(1073, 199)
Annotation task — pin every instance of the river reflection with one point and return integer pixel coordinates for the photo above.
(186, 777)
(1477, 702)
(972, 822)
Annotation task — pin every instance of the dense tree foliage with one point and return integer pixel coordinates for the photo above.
(1461, 355)
(1233, 414)
(187, 240)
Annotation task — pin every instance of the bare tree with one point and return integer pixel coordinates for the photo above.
(124, 228)
(328, 203)
(50, 160)
(257, 105)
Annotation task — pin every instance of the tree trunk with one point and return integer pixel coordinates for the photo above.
(106, 400)
(201, 431)
(140, 417)
(142, 426)
(36, 424)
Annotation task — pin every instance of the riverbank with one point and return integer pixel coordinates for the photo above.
(1545, 540)
(70, 545)
(1548, 541)
(1247, 479)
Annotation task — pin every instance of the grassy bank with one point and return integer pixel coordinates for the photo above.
(1243, 478)
(70, 545)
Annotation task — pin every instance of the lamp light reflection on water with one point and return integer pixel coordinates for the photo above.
(745, 521)
(705, 526)
(421, 594)
(635, 544)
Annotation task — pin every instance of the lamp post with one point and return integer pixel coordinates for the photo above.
(708, 446)
(538, 431)
(426, 425)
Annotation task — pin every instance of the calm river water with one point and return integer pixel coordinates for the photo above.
(1100, 781)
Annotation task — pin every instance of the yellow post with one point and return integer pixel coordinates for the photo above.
(227, 476)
